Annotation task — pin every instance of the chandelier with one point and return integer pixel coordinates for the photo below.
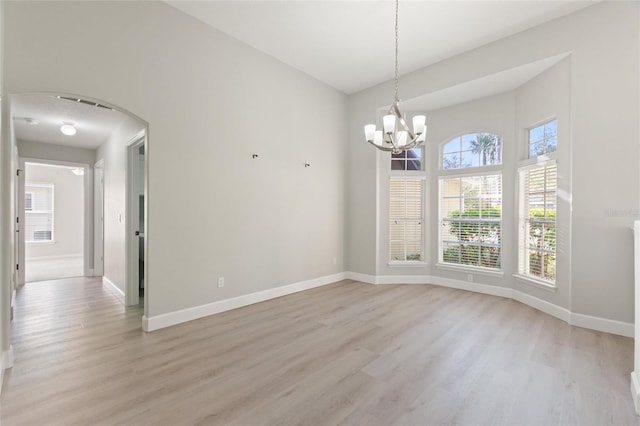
(396, 136)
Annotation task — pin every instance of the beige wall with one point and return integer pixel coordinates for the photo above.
(210, 102)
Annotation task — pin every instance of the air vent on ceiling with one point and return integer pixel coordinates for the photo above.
(84, 101)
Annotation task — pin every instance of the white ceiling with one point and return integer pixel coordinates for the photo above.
(94, 125)
(350, 44)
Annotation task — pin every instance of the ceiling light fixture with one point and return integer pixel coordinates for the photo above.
(68, 129)
(396, 136)
(78, 171)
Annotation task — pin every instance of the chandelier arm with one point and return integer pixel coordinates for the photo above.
(382, 148)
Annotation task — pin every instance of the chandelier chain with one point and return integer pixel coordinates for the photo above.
(396, 73)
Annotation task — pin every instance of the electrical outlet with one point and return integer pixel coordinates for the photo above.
(220, 282)
(470, 278)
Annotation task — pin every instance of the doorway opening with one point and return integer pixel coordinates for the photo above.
(136, 220)
(53, 225)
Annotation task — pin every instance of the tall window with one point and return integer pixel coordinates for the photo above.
(471, 220)
(537, 236)
(538, 186)
(406, 219)
(471, 203)
(39, 212)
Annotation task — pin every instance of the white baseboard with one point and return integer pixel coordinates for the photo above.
(635, 391)
(62, 256)
(578, 320)
(363, 278)
(6, 361)
(114, 288)
(602, 324)
(157, 322)
(542, 305)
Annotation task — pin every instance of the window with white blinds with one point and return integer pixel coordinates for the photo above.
(406, 219)
(38, 212)
(537, 235)
(471, 220)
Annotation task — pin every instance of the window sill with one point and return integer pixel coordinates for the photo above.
(41, 243)
(545, 285)
(407, 264)
(470, 269)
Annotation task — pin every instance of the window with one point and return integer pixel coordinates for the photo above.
(39, 212)
(537, 237)
(406, 219)
(472, 150)
(543, 139)
(28, 201)
(471, 220)
(410, 159)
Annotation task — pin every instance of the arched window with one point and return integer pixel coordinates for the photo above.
(471, 205)
(472, 150)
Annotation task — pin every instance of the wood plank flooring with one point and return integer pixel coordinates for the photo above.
(343, 354)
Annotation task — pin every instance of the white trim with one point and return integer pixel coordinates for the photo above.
(602, 324)
(91, 272)
(177, 317)
(542, 305)
(6, 361)
(62, 256)
(470, 269)
(492, 290)
(110, 285)
(407, 264)
(579, 320)
(635, 391)
(545, 285)
(363, 278)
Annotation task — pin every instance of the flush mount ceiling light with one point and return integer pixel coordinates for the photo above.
(68, 129)
(396, 136)
(78, 171)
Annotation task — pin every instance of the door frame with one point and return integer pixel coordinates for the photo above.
(132, 216)
(98, 218)
(87, 245)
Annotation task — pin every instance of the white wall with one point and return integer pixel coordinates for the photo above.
(210, 102)
(68, 212)
(603, 42)
(114, 154)
(52, 152)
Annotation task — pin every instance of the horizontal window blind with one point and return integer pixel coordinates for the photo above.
(537, 236)
(471, 220)
(39, 212)
(406, 219)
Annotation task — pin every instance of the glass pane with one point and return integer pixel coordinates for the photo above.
(536, 149)
(536, 134)
(452, 146)
(414, 250)
(469, 254)
(549, 267)
(535, 264)
(414, 164)
(550, 129)
(469, 142)
(396, 230)
(451, 253)
(451, 161)
(552, 144)
(469, 159)
(396, 251)
(490, 257)
(398, 164)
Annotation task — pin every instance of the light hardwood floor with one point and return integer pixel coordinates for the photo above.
(346, 354)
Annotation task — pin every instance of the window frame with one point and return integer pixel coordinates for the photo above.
(29, 239)
(406, 160)
(441, 264)
(523, 245)
(527, 138)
